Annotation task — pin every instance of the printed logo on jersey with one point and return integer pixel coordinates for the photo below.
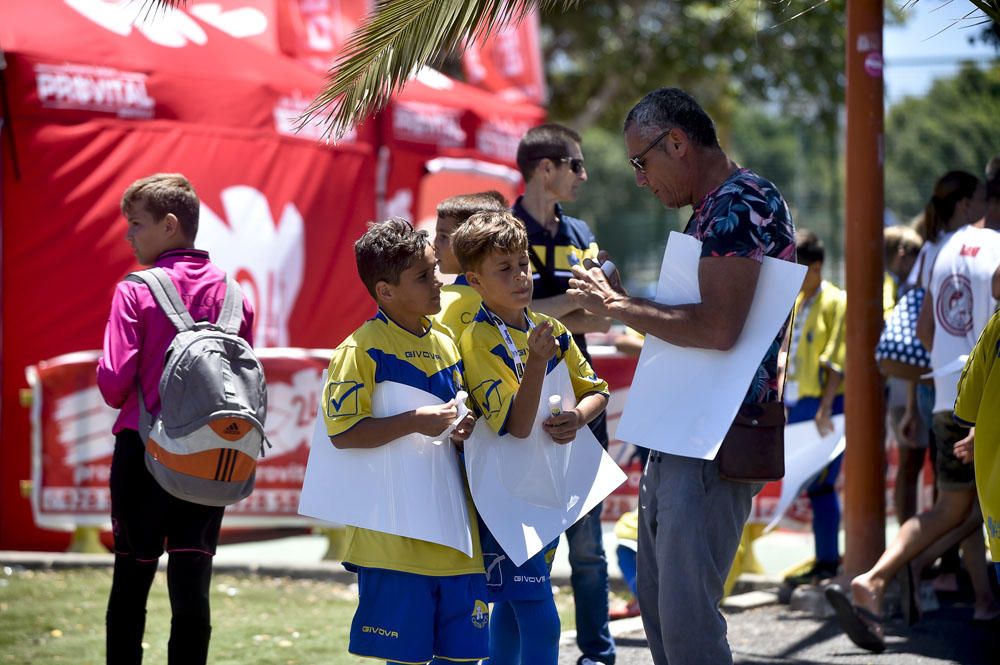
(953, 305)
(480, 614)
(494, 571)
(341, 398)
(427, 355)
(992, 528)
(381, 632)
(489, 396)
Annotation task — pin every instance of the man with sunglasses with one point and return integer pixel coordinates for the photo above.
(551, 162)
(691, 519)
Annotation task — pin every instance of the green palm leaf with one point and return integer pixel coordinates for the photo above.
(396, 40)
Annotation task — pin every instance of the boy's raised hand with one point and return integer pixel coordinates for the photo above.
(463, 430)
(562, 428)
(434, 420)
(541, 343)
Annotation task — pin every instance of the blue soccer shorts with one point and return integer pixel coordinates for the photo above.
(409, 618)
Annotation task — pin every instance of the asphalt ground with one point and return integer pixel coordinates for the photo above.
(761, 630)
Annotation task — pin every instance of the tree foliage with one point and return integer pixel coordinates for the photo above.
(607, 53)
(955, 126)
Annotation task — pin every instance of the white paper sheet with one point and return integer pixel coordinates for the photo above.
(683, 400)
(528, 491)
(954, 367)
(410, 487)
(806, 453)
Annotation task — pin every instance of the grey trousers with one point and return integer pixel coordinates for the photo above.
(690, 524)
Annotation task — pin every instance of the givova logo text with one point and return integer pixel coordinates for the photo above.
(381, 632)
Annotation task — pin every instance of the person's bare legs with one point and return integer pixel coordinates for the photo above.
(917, 534)
(973, 523)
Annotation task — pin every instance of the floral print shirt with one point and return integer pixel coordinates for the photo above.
(747, 216)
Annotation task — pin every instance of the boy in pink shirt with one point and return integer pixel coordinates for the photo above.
(162, 215)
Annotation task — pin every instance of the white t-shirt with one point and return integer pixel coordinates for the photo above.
(920, 273)
(961, 284)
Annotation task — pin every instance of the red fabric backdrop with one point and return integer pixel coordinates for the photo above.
(98, 99)
(96, 103)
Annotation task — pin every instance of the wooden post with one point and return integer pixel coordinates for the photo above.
(864, 465)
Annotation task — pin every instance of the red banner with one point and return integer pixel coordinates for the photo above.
(509, 62)
(72, 442)
(313, 31)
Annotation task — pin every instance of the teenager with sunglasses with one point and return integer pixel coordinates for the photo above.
(551, 162)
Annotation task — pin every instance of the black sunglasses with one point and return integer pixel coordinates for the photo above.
(637, 162)
(575, 165)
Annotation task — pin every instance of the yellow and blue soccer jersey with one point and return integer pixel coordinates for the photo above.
(890, 291)
(459, 305)
(381, 351)
(978, 405)
(821, 342)
(491, 372)
(553, 256)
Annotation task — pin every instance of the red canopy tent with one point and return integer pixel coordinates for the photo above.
(441, 137)
(436, 138)
(97, 99)
(96, 102)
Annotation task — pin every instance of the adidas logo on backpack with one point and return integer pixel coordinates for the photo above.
(203, 446)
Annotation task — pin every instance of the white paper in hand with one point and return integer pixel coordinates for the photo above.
(409, 487)
(683, 400)
(528, 491)
(806, 453)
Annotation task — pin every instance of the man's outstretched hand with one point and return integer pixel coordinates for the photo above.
(592, 290)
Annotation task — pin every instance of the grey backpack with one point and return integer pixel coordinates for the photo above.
(203, 446)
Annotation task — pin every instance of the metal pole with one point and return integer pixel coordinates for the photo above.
(864, 465)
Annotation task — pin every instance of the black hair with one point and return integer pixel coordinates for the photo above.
(550, 141)
(667, 108)
(386, 250)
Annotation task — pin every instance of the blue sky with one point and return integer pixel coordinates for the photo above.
(915, 53)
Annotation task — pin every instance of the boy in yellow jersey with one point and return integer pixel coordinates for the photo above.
(978, 407)
(419, 601)
(459, 301)
(508, 350)
(813, 391)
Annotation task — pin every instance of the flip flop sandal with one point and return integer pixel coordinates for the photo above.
(859, 623)
(909, 600)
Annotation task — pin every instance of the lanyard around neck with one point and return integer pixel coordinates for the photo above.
(515, 355)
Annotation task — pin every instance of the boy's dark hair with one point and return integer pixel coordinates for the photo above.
(387, 249)
(667, 108)
(550, 141)
(462, 207)
(808, 248)
(485, 233)
(164, 193)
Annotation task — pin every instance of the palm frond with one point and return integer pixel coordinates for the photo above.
(398, 38)
(991, 8)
